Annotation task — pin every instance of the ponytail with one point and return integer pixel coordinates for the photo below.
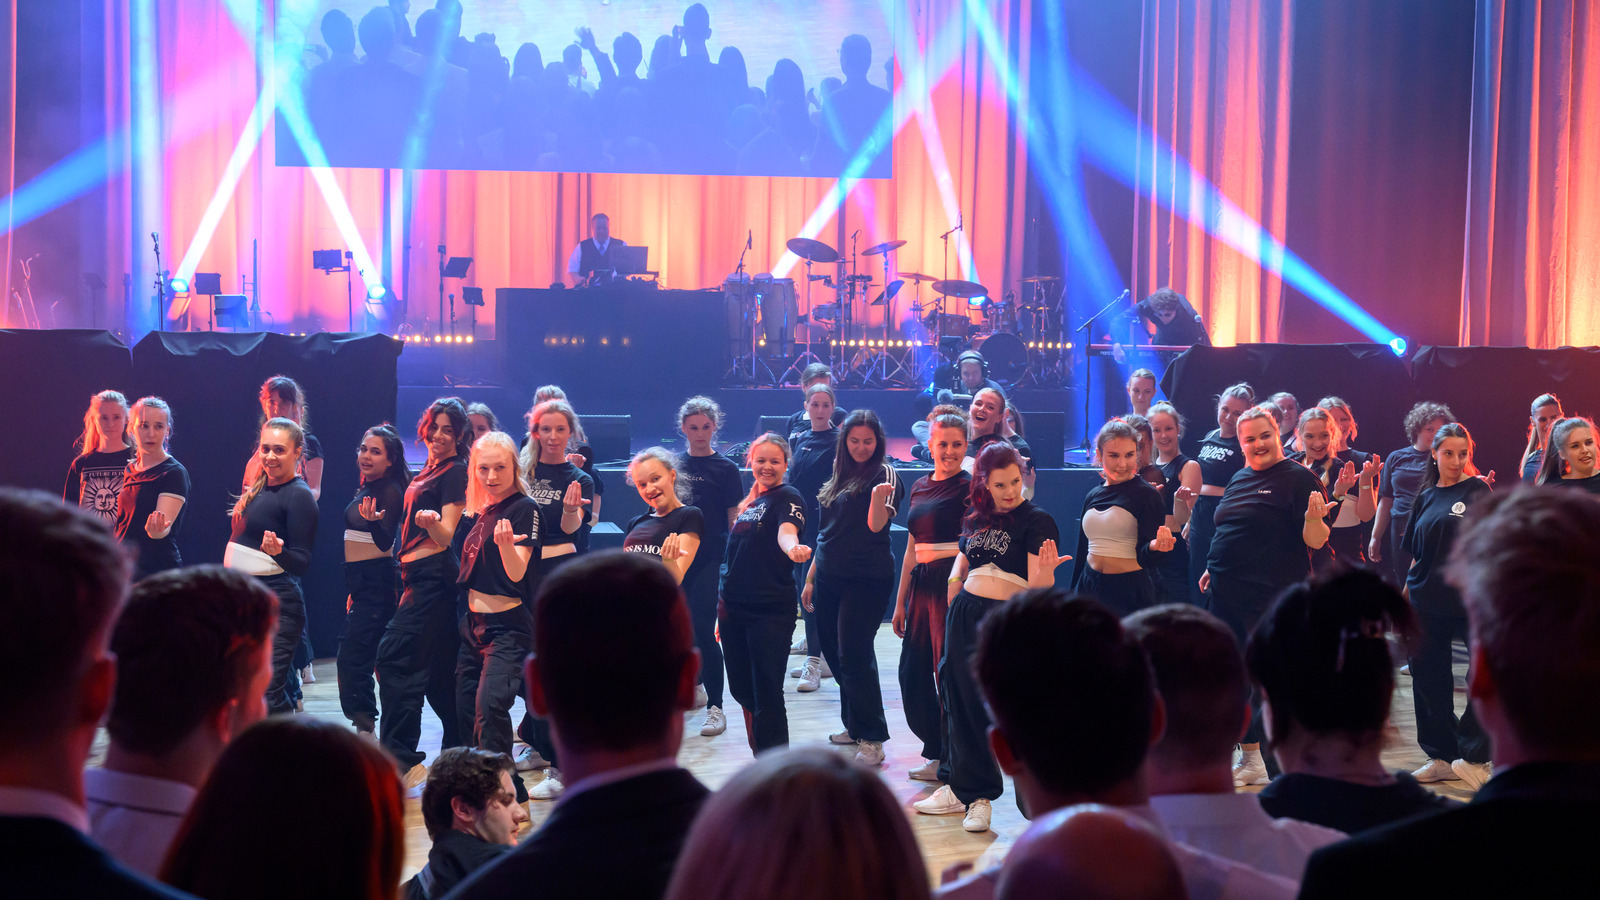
(297, 436)
(1552, 468)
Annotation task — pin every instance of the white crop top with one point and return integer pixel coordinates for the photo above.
(1113, 533)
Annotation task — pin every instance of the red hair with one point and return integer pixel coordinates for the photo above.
(982, 513)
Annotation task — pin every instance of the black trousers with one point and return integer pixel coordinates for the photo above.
(303, 656)
(973, 772)
(1202, 526)
(755, 647)
(1398, 560)
(489, 674)
(700, 589)
(417, 657)
(1439, 733)
(1172, 577)
(291, 626)
(849, 611)
(535, 730)
(807, 620)
(1240, 605)
(927, 605)
(1124, 593)
(374, 591)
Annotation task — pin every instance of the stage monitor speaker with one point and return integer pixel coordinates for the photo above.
(774, 424)
(1046, 437)
(611, 437)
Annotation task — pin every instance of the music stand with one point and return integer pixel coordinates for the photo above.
(455, 267)
(209, 284)
(473, 298)
(230, 311)
(330, 261)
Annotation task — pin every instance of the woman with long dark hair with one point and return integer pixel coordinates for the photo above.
(94, 479)
(1008, 544)
(1543, 413)
(1398, 485)
(853, 576)
(1318, 436)
(810, 465)
(938, 504)
(1456, 748)
(155, 491)
(1569, 459)
(371, 572)
(1123, 534)
(1219, 458)
(274, 526)
(1182, 481)
(417, 654)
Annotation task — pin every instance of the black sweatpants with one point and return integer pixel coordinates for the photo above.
(374, 591)
(291, 626)
(1124, 593)
(700, 589)
(1240, 605)
(1439, 733)
(849, 611)
(422, 632)
(1202, 525)
(808, 620)
(489, 674)
(927, 605)
(755, 648)
(1173, 584)
(973, 770)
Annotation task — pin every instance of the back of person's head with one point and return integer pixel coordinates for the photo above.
(63, 576)
(1530, 579)
(855, 56)
(193, 650)
(338, 31)
(377, 33)
(627, 52)
(696, 23)
(800, 824)
(1091, 852)
(1071, 741)
(1321, 656)
(338, 794)
(572, 58)
(461, 773)
(1201, 678)
(613, 651)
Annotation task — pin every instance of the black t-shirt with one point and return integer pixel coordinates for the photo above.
(1590, 484)
(937, 508)
(1345, 541)
(845, 544)
(94, 480)
(801, 421)
(287, 510)
(1347, 806)
(647, 532)
(1184, 330)
(1172, 475)
(976, 445)
(1402, 477)
(581, 536)
(482, 569)
(755, 570)
(1007, 542)
(1259, 523)
(1143, 502)
(1530, 468)
(438, 485)
(810, 467)
(141, 491)
(714, 487)
(1219, 459)
(391, 503)
(1429, 536)
(549, 490)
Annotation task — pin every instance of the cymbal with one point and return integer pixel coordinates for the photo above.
(954, 288)
(814, 251)
(917, 277)
(1040, 278)
(888, 293)
(883, 248)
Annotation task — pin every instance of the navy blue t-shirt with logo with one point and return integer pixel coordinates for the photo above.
(1429, 536)
(549, 490)
(756, 571)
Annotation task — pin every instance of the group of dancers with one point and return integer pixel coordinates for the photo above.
(441, 565)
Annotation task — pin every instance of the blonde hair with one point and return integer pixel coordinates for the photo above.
(154, 403)
(92, 441)
(680, 486)
(554, 392)
(530, 452)
(297, 436)
(773, 438)
(477, 495)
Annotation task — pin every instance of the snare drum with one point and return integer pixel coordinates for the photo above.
(780, 308)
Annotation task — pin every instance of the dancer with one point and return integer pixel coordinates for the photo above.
(501, 527)
(853, 576)
(1352, 530)
(155, 490)
(1272, 514)
(1182, 481)
(1570, 461)
(580, 454)
(938, 503)
(1545, 412)
(281, 397)
(814, 374)
(1398, 485)
(372, 521)
(274, 526)
(1219, 459)
(1290, 407)
(1008, 544)
(1141, 390)
(1319, 434)
(1145, 467)
(813, 452)
(672, 529)
(94, 479)
(417, 653)
(483, 419)
(756, 615)
(1124, 533)
(1456, 748)
(715, 488)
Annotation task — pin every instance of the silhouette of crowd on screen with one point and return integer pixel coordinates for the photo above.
(386, 90)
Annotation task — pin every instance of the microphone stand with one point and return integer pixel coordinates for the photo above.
(944, 273)
(1088, 363)
(161, 287)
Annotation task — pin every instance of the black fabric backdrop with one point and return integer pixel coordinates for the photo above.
(52, 374)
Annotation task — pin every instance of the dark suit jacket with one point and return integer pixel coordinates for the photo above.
(46, 859)
(618, 841)
(1528, 833)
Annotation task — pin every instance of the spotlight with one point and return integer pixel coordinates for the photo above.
(1398, 345)
(376, 290)
(178, 285)
(469, 338)
(977, 302)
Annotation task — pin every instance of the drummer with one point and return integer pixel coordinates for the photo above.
(956, 384)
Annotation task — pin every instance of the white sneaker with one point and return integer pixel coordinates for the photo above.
(1406, 670)
(1476, 775)
(716, 722)
(869, 753)
(810, 675)
(414, 776)
(842, 738)
(942, 802)
(700, 697)
(928, 771)
(798, 648)
(308, 675)
(1250, 769)
(550, 788)
(800, 670)
(529, 759)
(978, 815)
(1434, 771)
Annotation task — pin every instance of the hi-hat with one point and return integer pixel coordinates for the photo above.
(882, 248)
(917, 277)
(1040, 278)
(953, 288)
(814, 251)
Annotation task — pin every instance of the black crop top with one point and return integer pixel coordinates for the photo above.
(1143, 502)
(438, 485)
(937, 508)
(1007, 542)
(755, 570)
(1219, 459)
(846, 545)
(647, 532)
(715, 487)
(549, 490)
(289, 511)
(391, 503)
(1172, 474)
(482, 569)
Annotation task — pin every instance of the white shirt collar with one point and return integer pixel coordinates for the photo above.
(138, 792)
(612, 776)
(21, 801)
(601, 247)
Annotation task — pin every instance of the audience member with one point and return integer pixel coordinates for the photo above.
(855, 117)
(1526, 567)
(613, 669)
(336, 794)
(378, 99)
(1200, 676)
(801, 824)
(63, 577)
(470, 808)
(1091, 852)
(194, 655)
(1321, 657)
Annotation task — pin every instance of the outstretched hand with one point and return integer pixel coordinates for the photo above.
(1049, 558)
(1371, 470)
(672, 548)
(505, 535)
(799, 553)
(1489, 478)
(427, 518)
(1346, 479)
(369, 509)
(1316, 507)
(157, 525)
(1187, 496)
(270, 544)
(1164, 541)
(573, 501)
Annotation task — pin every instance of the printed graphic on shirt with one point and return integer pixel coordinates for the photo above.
(1459, 509)
(99, 493)
(995, 539)
(1211, 452)
(544, 495)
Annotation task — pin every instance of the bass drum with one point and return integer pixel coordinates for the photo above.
(1005, 354)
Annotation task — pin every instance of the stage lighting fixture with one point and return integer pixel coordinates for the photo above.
(977, 302)
(1398, 345)
(376, 291)
(178, 285)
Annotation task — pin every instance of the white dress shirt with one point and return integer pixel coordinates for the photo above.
(135, 817)
(1234, 826)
